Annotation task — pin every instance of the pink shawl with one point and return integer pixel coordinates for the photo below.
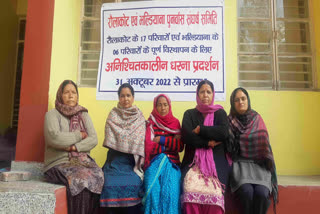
(166, 123)
(203, 157)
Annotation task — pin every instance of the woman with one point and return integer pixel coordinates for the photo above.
(254, 173)
(206, 169)
(124, 136)
(162, 147)
(69, 136)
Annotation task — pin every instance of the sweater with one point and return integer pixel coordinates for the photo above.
(58, 138)
(168, 144)
(219, 132)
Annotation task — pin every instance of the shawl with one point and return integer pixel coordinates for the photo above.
(65, 110)
(167, 123)
(253, 138)
(203, 157)
(249, 133)
(125, 132)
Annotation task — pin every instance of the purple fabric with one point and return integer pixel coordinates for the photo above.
(203, 157)
(229, 159)
(193, 208)
(77, 124)
(84, 202)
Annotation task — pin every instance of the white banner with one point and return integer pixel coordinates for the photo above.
(161, 47)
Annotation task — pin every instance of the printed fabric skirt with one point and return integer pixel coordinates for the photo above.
(84, 184)
(162, 187)
(202, 193)
(122, 186)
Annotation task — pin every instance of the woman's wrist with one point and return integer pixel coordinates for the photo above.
(211, 144)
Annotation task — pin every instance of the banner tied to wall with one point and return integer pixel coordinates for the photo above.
(161, 47)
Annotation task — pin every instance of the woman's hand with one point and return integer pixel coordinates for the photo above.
(177, 136)
(196, 130)
(156, 139)
(84, 135)
(213, 143)
(72, 148)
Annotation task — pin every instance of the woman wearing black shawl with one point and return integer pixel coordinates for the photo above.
(254, 173)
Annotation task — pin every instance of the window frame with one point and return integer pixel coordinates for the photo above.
(16, 99)
(274, 51)
(83, 18)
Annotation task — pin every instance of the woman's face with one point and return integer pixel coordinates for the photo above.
(241, 102)
(162, 106)
(70, 95)
(126, 99)
(205, 94)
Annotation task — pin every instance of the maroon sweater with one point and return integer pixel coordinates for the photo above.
(168, 144)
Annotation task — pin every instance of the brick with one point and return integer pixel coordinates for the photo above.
(15, 176)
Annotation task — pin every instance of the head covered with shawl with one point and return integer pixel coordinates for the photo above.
(72, 112)
(250, 137)
(125, 131)
(204, 156)
(167, 123)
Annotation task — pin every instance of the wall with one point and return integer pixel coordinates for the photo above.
(65, 44)
(291, 116)
(9, 22)
(22, 6)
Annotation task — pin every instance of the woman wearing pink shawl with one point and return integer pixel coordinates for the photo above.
(162, 147)
(205, 169)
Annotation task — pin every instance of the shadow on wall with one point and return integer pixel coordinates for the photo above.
(7, 148)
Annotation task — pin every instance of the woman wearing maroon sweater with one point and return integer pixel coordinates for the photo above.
(162, 147)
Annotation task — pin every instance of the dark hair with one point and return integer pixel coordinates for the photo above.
(66, 82)
(125, 85)
(232, 97)
(205, 82)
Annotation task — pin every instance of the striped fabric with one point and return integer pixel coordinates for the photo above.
(168, 145)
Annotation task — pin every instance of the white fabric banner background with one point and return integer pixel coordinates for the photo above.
(161, 47)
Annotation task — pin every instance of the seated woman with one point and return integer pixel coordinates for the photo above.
(204, 166)
(162, 147)
(254, 173)
(69, 136)
(124, 136)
